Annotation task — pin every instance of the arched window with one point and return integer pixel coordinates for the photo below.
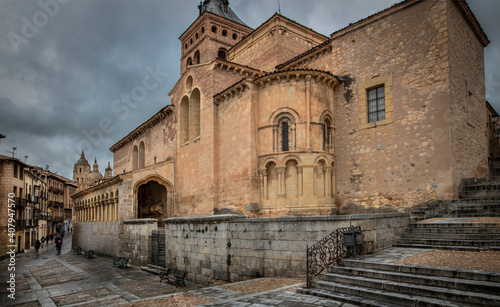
(327, 134)
(222, 54)
(214, 29)
(194, 114)
(284, 132)
(197, 57)
(284, 136)
(184, 120)
(135, 158)
(189, 62)
(142, 155)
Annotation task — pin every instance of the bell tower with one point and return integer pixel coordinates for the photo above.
(215, 31)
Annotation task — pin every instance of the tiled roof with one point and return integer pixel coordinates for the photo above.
(7, 158)
(220, 8)
(304, 54)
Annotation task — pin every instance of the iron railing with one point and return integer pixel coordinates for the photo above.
(326, 252)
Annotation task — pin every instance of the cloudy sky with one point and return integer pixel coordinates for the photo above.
(67, 67)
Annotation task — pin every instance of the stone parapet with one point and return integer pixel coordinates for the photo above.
(234, 248)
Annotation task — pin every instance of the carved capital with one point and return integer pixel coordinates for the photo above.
(281, 170)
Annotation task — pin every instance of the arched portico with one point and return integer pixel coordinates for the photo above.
(154, 198)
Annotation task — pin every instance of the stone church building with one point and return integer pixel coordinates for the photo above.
(280, 120)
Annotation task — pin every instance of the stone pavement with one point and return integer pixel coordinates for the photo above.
(48, 279)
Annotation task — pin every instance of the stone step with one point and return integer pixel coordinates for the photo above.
(424, 270)
(443, 247)
(346, 298)
(450, 242)
(436, 231)
(455, 225)
(450, 294)
(451, 236)
(461, 206)
(382, 295)
(425, 280)
(153, 269)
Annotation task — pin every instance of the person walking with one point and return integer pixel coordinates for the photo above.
(52, 238)
(37, 245)
(42, 241)
(47, 239)
(58, 245)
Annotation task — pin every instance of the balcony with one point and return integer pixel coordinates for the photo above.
(20, 202)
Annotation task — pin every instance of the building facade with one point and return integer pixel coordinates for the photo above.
(281, 120)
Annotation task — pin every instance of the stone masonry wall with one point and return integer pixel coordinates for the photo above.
(404, 160)
(468, 129)
(135, 240)
(228, 247)
(102, 237)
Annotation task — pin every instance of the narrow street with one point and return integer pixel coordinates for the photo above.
(48, 279)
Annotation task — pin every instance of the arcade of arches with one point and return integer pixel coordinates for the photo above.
(101, 208)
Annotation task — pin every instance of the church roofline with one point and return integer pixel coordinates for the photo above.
(266, 23)
(155, 119)
(205, 15)
(461, 4)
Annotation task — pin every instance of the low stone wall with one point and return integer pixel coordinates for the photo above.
(231, 247)
(135, 240)
(102, 237)
(131, 238)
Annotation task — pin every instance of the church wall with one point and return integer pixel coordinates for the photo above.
(159, 143)
(467, 89)
(236, 173)
(194, 178)
(405, 159)
(298, 181)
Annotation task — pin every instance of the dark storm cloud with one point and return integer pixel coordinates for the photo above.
(63, 87)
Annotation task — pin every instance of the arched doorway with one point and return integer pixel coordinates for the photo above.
(152, 201)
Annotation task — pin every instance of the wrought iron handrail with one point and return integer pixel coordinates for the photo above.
(326, 252)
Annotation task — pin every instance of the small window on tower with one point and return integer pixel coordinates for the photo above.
(224, 33)
(214, 29)
(202, 30)
(235, 36)
(222, 54)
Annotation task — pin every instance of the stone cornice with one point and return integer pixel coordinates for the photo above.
(317, 76)
(153, 121)
(232, 91)
(236, 68)
(105, 184)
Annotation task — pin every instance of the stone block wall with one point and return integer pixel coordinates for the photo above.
(102, 237)
(135, 240)
(229, 247)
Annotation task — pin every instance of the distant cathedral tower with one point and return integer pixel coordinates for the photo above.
(81, 171)
(84, 177)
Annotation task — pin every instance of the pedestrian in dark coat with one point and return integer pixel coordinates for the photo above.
(37, 245)
(58, 245)
(42, 241)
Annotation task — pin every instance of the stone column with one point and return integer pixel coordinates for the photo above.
(315, 173)
(293, 136)
(275, 138)
(281, 181)
(308, 113)
(300, 172)
(328, 178)
(264, 173)
(117, 218)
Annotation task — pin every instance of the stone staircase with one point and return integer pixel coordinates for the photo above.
(366, 283)
(452, 234)
(379, 283)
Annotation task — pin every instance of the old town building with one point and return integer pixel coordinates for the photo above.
(84, 176)
(280, 120)
(40, 200)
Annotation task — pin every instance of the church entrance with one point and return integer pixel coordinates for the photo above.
(152, 202)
